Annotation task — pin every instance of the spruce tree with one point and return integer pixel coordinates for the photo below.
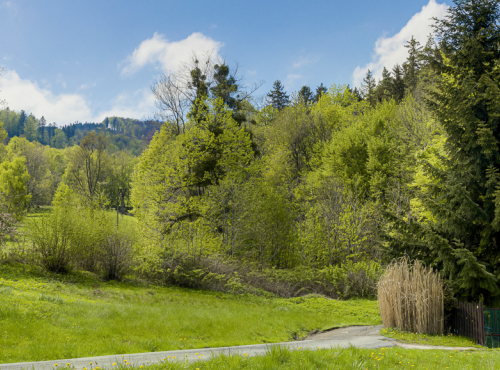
(320, 90)
(412, 65)
(398, 84)
(305, 95)
(384, 88)
(368, 88)
(462, 237)
(278, 97)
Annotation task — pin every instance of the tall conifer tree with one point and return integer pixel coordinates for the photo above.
(278, 97)
(462, 235)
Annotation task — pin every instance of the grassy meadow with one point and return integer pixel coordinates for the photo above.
(46, 316)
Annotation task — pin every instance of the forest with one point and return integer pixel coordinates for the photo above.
(314, 191)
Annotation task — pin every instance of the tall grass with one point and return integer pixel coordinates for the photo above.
(410, 296)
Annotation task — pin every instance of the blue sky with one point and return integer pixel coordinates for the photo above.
(84, 60)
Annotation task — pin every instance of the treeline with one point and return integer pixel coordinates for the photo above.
(122, 133)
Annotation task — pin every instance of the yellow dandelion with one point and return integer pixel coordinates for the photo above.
(55, 364)
(114, 363)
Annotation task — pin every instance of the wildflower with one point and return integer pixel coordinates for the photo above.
(140, 367)
(114, 363)
(68, 364)
(90, 363)
(55, 364)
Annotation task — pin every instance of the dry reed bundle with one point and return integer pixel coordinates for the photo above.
(410, 296)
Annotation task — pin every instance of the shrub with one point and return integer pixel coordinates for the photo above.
(51, 241)
(411, 298)
(116, 252)
(82, 238)
(7, 232)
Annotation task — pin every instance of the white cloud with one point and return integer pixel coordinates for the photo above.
(67, 108)
(25, 94)
(305, 60)
(10, 5)
(169, 54)
(87, 86)
(290, 80)
(140, 104)
(390, 51)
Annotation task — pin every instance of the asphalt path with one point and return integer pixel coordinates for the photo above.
(357, 336)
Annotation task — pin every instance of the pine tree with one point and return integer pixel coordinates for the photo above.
(384, 88)
(305, 95)
(463, 235)
(412, 65)
(320, 90)
(20, 124)
(41, 129)
(278, 97)
(398, 84)
(368, 88)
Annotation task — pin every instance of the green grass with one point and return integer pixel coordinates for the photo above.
(433, 340)
(45, 316)
(342, 359)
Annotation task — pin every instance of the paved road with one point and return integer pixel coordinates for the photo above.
(358, 336)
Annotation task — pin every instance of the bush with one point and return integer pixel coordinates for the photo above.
(411, 298)
(51, 238)
(7, 232)
(81, 238)
(116, 255)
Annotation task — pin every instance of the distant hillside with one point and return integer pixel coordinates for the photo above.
(123, 133)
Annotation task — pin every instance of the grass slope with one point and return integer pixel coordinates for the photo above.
(45, 316)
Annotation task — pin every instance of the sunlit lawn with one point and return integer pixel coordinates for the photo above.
(45, 316)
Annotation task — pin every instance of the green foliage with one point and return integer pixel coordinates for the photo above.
(459, 191)
(76, 236)
(175, 171)
(13, 186)
(51, 237)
